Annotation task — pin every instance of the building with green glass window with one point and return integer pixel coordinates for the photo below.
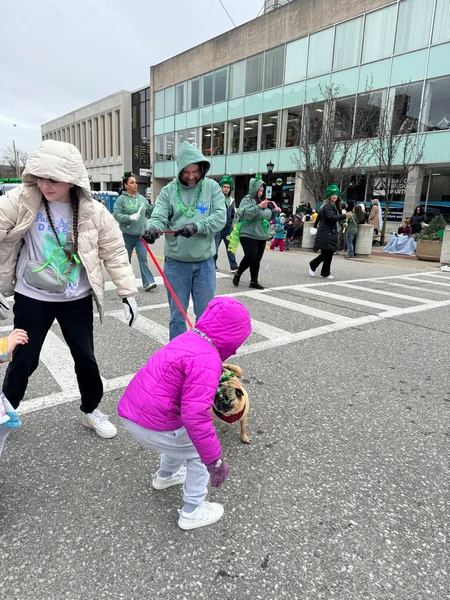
(242, 95)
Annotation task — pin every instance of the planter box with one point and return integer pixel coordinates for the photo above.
(429, 250)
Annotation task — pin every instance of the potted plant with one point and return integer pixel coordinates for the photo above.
(429, 241)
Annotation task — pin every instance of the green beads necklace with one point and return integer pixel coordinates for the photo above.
(191, 209)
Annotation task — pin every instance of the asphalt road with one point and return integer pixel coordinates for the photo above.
(342, 494)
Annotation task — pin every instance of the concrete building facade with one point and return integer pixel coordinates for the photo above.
(102, 131)
(242, 95)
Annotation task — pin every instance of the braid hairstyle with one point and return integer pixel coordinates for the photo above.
(75, 206)
(74, 201)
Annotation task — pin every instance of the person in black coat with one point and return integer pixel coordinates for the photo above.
(329, 223)
(418, 217)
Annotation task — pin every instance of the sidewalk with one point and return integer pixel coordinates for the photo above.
(397, 260)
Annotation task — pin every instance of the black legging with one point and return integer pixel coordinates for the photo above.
(253, 253)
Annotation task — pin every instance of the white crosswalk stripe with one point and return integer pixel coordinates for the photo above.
(56, 356)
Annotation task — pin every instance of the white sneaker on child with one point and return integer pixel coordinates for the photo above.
(97, 421)
(161, 483)
(206, 513)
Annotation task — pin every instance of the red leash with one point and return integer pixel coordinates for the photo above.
(169, 287)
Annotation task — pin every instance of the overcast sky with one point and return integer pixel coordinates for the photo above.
(58, 55)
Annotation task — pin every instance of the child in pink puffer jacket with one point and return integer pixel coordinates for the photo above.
(166, 407)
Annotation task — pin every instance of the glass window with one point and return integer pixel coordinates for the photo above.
(142, 96)
(406, 109)
(234, 136)
(343, 118)
(237, 79)
(180, 137)
(269, 131)
(159, 148)
(220, 85)
(296, 56)
(253, 77)
(159, 104)
(347, 44)
(313, 121)
(379, 34)
(147, 93)
(413, 28)
(218, 139)
(438, 105)
(441, 32)
(180, 94)
(169, 101)
(320, 52)
(293, 126)
(194, 93)
(170, 146)
(191, 137)
(206, 140)
(208, 81)
(274, 67)
(368, 111)
(251, 134)
(142, 118)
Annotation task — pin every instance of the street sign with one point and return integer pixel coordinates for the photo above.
(269, 192)
(145, 172)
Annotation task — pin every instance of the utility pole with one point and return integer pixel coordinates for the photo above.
(16, 160)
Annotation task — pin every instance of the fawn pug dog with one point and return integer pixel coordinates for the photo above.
(231, 402)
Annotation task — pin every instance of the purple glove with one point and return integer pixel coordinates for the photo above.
(218, 472)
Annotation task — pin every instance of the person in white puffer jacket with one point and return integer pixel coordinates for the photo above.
(53, 240)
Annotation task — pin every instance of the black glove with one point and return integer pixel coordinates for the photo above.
(150, 235)
(187, 231)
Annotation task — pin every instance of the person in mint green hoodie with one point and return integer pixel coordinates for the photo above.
(131, 211)
(194, 207)
(254, 216)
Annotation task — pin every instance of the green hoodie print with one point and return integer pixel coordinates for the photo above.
(208, 210)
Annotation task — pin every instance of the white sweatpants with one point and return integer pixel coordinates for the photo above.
(176, 449)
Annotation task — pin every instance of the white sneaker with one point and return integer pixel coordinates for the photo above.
(97, 421)
(327, 277)
(161, 483)
(206, 513)
(311, 272)
(150, 286)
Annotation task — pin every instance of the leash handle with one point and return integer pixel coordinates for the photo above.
(169, 287)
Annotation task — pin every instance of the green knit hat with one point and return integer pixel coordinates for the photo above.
(332, 190)
(227, 180)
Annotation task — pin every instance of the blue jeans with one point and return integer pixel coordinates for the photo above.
(186, 278)
(132, 242)
(351, 244)
(222, 235)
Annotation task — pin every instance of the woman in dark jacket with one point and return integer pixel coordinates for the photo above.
(327, 232)
(417, 219)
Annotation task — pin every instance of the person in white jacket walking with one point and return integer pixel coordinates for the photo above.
(53, 240)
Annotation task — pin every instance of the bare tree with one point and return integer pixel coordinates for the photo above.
(398, 148)
(334, 139)
(14, 158)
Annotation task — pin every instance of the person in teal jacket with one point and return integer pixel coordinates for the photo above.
(194, 207)
(131, 211)
(254, 216)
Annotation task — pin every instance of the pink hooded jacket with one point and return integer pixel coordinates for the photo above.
(177, 386)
